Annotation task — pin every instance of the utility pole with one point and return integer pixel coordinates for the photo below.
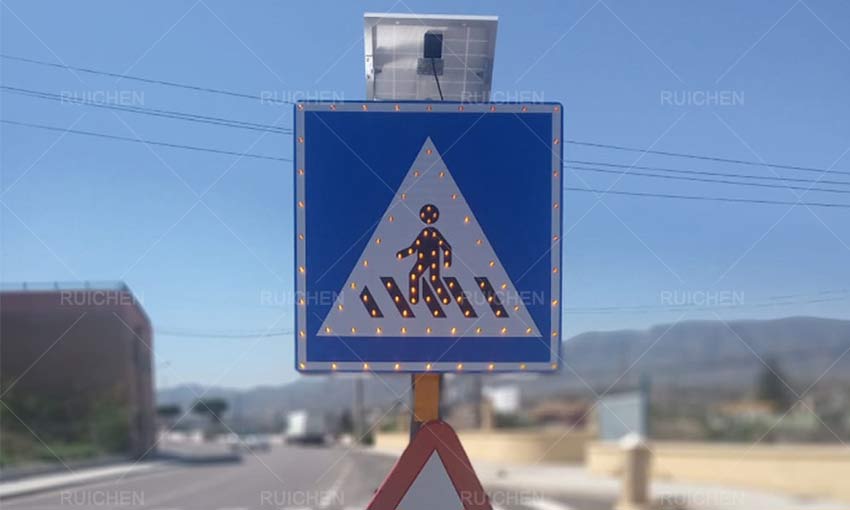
(358, 414)
(477, 388)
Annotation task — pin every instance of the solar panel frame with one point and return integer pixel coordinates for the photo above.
(394, 46)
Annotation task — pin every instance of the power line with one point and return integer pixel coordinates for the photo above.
(567, 188)
(146, 142)
(139, 78)
(705, 198)
(255, 97)
(270, 128)
(706, 158)
(705, 179)
(191, 117)
(705, 172)
(794, 299)
(218, 334)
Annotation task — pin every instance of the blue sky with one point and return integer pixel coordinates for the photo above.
(78, 208)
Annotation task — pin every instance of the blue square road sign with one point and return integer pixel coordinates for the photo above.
(428, 236)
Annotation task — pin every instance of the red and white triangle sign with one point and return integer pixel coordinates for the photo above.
(432, 473)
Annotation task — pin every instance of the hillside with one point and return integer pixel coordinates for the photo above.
(709, 355)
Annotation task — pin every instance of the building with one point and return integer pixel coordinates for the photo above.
(82, 353)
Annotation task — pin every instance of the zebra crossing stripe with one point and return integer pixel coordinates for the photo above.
(369, 302)
(398, 297)
(441, 294)
(460, 297)
(492, 298)
(432, 302)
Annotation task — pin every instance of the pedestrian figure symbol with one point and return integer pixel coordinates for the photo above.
(429, 246)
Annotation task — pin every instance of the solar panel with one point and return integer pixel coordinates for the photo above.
(396, 63)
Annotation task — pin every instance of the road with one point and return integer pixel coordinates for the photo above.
(285, 478)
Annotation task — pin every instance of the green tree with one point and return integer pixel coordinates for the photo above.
(168, 414)
(346, 422)
(109, 426)
(168, 411)
(772, 387)
(214, 408)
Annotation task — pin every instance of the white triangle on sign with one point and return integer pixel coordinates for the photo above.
(432, 489)
(472, 296)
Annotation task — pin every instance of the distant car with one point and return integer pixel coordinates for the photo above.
(304, 427)
(258, 443)
(249, 443)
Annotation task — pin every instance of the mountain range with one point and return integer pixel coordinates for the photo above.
(722, 357)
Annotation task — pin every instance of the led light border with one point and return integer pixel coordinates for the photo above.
(302, 174)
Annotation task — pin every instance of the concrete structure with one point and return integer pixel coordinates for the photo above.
(526, 446)
(803, 470)
(634, 490)
(350, 482)
(81, 345)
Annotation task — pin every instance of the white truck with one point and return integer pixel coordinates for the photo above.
(306, 427)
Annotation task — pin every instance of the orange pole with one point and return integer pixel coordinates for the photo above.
(426, 400)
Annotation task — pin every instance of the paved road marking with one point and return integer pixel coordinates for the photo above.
(329, 497)
(199, 487)
(548, 504)
(60, 480)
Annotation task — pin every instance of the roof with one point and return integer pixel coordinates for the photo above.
(48, 297)
(50, 286)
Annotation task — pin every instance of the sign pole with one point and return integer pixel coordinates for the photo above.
(427, 387)
(426, 400)
(404, 300)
